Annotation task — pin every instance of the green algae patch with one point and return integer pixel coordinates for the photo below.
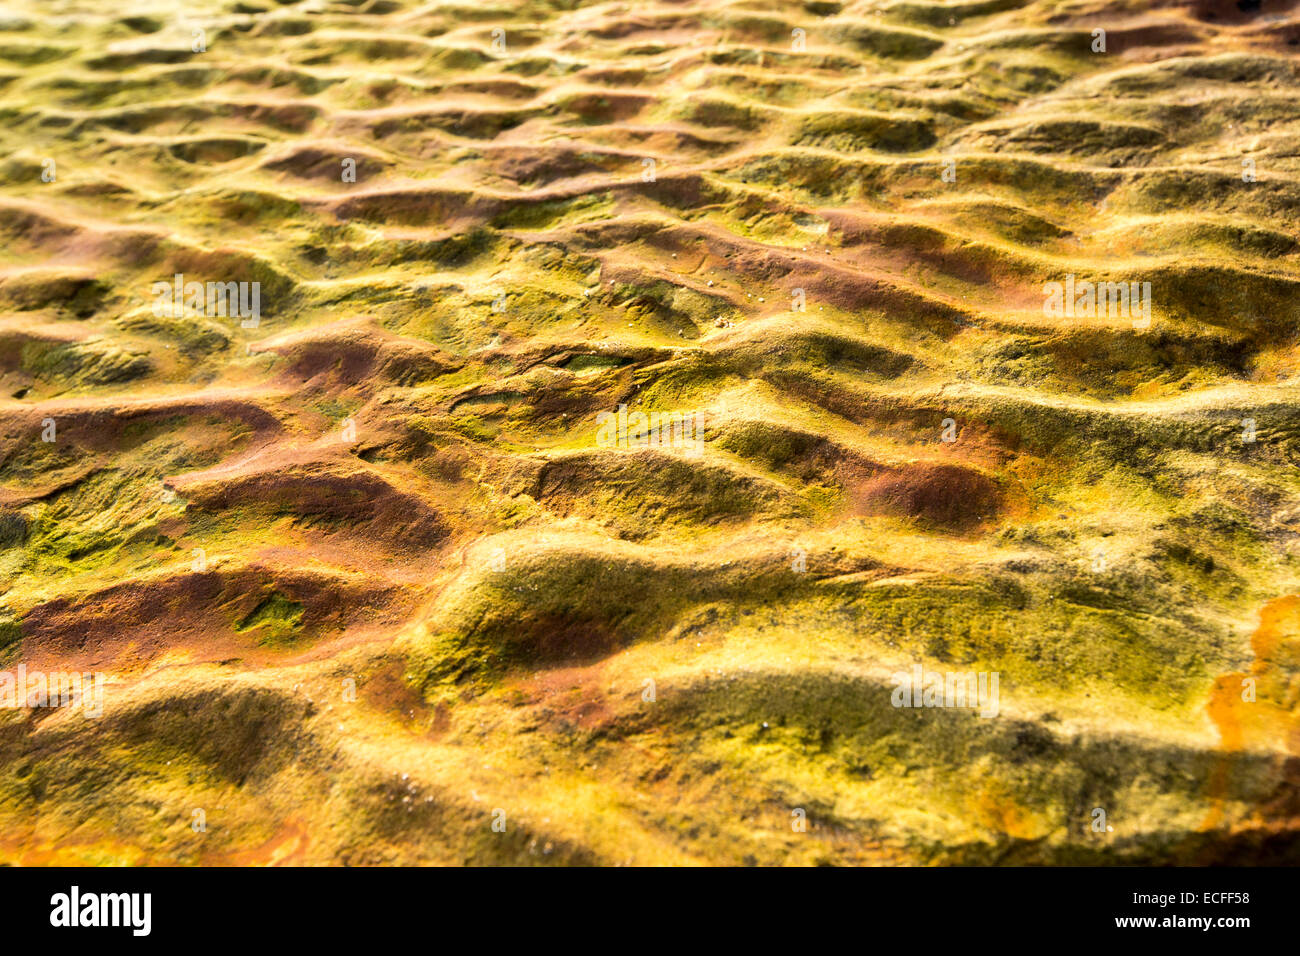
(88, 525)
(92, 362)
(11, 635)
(551, 214)
(852, 131)
(276, 621)
(553, 605)
(835, 745)
(643, 494)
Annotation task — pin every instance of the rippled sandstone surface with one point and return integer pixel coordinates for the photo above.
(373, 575)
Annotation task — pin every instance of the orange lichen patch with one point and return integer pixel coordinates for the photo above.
(288, 847)
(1225, 709)
(1258, 711)
(20, 849)
(861, 850)
(998, 810)
(1278, 631)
